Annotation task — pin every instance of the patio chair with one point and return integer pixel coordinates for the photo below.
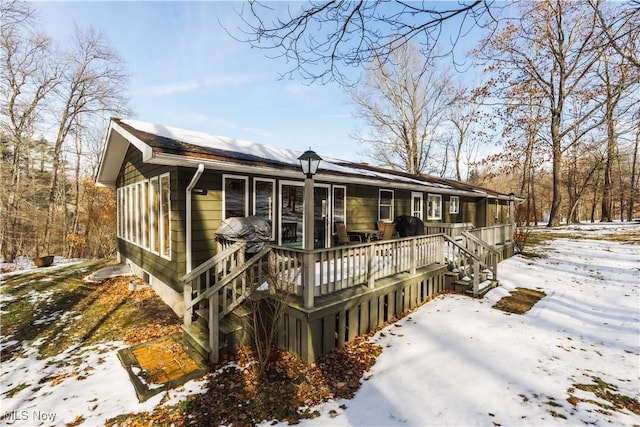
(389, 229)
(345, 238)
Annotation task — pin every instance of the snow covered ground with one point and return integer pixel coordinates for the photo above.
(455, 361)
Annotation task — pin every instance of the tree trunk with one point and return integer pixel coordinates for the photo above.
(554, 215)
(634, 163)
(607, 196)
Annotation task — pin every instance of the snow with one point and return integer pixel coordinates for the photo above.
(454, 361)
(281, 155)
(457, 361)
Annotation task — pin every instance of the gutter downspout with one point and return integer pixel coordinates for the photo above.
(190, 187)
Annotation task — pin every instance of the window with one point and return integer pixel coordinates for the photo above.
(434, 206)
(130, 213)
(454, 205)
(263, 198)
(165, 216)
(497, 210)
(119, 212)
(416, 205)
(339, 206)
(137, 215)
(154, 213)
(144, 214)
(385, 205)
(291, 212)
(235, 196)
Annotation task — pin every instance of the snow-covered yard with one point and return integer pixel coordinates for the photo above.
(454, 361)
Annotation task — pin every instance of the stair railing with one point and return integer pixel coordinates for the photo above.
(226, 294)
(461, 258)
(488, 255)
(207, 274)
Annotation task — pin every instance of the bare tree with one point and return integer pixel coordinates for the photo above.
(464, 116)
(322, 39)
(620, 27)
(634, 191)
(551, 50)
(93, 83)
(270, 297)
(403, 103)
(27, 76)
(619, 80)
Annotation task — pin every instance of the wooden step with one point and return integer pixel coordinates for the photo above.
(483, 288)
(463, 285)
(197, 337)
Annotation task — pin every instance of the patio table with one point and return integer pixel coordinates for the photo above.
(368, 234)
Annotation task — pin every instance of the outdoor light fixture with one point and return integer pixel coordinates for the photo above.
(512, 196)
(309, 161)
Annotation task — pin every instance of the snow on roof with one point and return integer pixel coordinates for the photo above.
(274, 154)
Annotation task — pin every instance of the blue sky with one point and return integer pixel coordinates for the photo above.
(187, 72)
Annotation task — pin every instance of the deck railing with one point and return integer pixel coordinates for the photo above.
(495, 235)
(449, 229)
(344, 267)
(221, 283)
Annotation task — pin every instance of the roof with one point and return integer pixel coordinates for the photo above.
(161, 144)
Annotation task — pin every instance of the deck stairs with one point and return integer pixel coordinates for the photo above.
(233, 331)
(216, 293)
(217, 309)
(472, 265)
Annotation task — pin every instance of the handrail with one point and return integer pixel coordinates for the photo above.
(467, 251)
(487, 247)
(480, 242)
(233, 274)
(477, 261)
(213, 261)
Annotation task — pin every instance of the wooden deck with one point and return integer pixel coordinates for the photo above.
(338, 293)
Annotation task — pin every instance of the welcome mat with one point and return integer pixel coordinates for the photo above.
(161, 364)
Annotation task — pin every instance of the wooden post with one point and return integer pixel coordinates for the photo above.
(371, 280)
(214, 328)
(188, 310)
(309, 273)
(476, 278)
(413, 251)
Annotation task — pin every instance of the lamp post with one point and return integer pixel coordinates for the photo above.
(309, 161)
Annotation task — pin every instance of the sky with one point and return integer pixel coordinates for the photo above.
(188, 72)
(453, 361)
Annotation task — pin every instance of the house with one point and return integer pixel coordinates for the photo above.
(174, 188)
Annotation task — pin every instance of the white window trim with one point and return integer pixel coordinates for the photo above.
(160, 227)
(155, 223)
(496, 213)
(344, 203)
(455, 205)
(393, 199)
(328, 208)
(130, 206)
(144, 213)
(224, 195)
(137, 233)
(280, 185)
(273, 201)
(420, 213)
(431, 216)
